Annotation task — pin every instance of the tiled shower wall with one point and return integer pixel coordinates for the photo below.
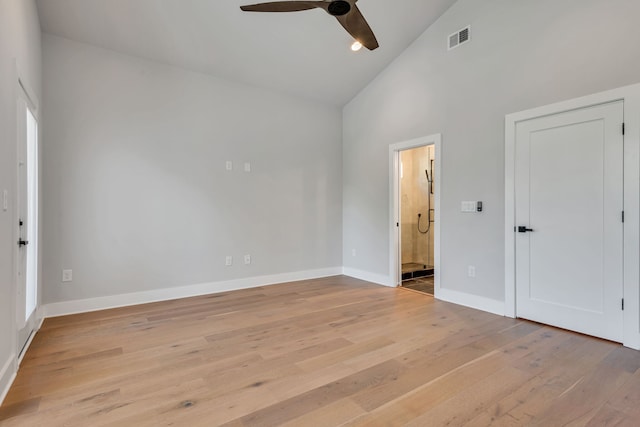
(416, 198)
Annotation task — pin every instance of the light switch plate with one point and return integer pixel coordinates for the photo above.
(228, 261)
(247, 167)
(229, 165)
(468, 207)
(67, 275)
(247, 259)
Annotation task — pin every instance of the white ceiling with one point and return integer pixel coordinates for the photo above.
(301, 53)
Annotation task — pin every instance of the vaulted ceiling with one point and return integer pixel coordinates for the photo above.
(301, 53)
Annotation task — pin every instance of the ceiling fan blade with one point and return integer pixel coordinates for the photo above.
(283, 6)
(357, 26)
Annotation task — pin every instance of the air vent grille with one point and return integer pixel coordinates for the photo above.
(459, 37)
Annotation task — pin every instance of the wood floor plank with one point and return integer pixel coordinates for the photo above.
(334, 414)
(324, 352)
(447, 382)
(553, 371)
(287, 410)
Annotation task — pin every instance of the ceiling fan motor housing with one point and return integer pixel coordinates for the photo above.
(339, 8)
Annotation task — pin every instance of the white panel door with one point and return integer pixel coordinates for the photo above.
(569, 202)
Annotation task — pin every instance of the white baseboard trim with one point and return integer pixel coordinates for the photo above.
(123, 300)
(30, 340)
(378, 279)
(7, 376)
(472, 301)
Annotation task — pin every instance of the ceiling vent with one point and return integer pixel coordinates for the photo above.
(459, 37)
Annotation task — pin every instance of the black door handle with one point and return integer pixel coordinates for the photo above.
(523, 229)
(23, 242)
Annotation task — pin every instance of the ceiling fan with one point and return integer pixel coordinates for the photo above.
(345, 11)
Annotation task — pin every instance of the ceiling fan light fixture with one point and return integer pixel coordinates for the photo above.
(345, 11)
(356, 46)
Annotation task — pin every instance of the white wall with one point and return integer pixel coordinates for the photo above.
(19, 41)
(136, 195)
(523, 54)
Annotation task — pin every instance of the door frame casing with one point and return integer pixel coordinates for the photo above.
(630, 95)
(395, 258)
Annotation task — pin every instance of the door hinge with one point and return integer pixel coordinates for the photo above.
(622, 304)
(623, 128)
(622, 216)
(397, 224)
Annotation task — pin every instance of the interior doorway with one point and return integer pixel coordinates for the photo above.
(27, 218)
(415, 203)
(572, 221)
(417, 217)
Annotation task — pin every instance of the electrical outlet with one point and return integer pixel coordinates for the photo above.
(228, 261)
(247, 259)
(67, 275)
(471, 271)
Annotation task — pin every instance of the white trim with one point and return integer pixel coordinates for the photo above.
(472, 301)
(29, 341)
(14, 238)
(394, 211)
(124, 300)
(631, 274)
(7, 376)
(510, 218)
(378, 279)
(25, 87)
(631, 97)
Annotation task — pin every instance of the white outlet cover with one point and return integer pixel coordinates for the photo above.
(67, 275)
(228, 261)
(471, 271)
(229, 165)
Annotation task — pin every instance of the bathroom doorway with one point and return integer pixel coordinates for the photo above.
(417, 217)
(415, 200)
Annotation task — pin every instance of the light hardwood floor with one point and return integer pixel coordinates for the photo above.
(325, 352)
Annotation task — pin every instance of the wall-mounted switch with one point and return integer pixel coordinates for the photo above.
(67, 275)
(247, 167)
(229, 165)
(247, 259)
(228, 261)
(470, 207)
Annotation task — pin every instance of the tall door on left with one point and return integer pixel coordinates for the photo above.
(27, 220)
